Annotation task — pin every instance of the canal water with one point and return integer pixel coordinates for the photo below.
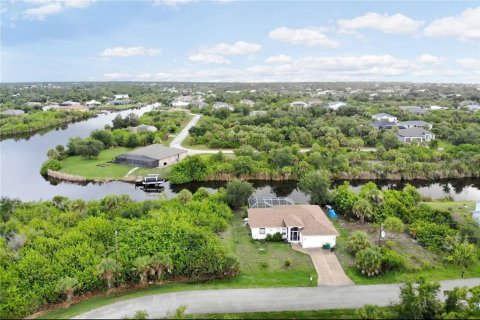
(21, 158)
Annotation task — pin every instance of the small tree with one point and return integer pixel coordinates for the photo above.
(358, 241)
(419, 301)
(362, 209)
(368, 261)
(237, 193)
(161, 262)
(67, 286)
(141, 266)
(184, 196)
(107, 269)
(393, 224)
(89, 148)
(179, 313)
(316, 184)
(370, 311)
(465, 254)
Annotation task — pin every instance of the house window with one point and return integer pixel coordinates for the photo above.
(262, 230)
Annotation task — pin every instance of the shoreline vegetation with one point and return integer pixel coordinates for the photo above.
(12, 126)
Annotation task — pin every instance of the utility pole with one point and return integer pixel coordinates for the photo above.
(116, 245)
(381, 235)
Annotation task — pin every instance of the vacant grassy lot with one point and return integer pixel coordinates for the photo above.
(188, 143)
(97, 168)
(116, 107)
(420, 261)
(458, 209)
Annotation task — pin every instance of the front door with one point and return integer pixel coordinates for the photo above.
(294, 234)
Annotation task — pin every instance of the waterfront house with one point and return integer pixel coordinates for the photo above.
(152, 156)
(306, 225)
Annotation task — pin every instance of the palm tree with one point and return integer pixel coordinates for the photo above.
(362, 209)
(67, 286)
(107, 269)
(161, 262)
(142, 265)
(375, 196)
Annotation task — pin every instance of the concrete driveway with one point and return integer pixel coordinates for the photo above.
(255, 300)
(329, 270)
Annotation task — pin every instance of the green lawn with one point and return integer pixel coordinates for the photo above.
(90, 169)
(250, 256)
(307, 314)
(116, 107)
(188, 143)
(458, 209)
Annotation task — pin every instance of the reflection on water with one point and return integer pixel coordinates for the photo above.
(21, 158)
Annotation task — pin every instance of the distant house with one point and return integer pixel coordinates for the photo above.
(222, 105)
(470, 105)
(315, 102)
(72, 107)
(12, 112)
(184, 101)
(143, 128)
(258, 113)
(68, 103)
(50, 107)
(247, 102)
(117, 102)
(298, 104)
(335, 105)
(152, 156)
(415, 110)
(306, 225)
(438, 108)
(414, 134)
(92, 103)
(385, 117)
(384, 124)
(198, 104)
(476, 213)
(120, 96)
(33, 104)
(414, 124)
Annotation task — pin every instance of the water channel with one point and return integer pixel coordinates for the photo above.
(21, 158)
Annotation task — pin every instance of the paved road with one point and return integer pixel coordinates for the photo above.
(178, 140)
(254, 300)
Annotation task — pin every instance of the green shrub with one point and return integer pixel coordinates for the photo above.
(358, 241)
(393, 224)
(264, 264)
(288, 263)
(51, 164)
(369, 261)
(392, 260)
(276, 237)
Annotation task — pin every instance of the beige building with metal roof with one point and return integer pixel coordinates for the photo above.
(306, 225)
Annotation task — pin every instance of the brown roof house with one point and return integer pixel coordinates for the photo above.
(306, 225)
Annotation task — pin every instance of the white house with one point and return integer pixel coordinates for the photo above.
(222, 105)
(120, 96)
(414, 134)
(298, 104)
(247, 102)
(335, 105)
(92, 103)
(306, 225)
(385, 117)
(180, 102)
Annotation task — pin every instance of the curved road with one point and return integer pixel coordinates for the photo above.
(256, 300)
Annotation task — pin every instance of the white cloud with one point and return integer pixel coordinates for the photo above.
(429, 59)
(172, 3)
(238, 48)
(208, 58)
(465, 26)
(308, 36)
(128, 52)
(50, 7)
(281, 58)
(389, 24)
(470, 63)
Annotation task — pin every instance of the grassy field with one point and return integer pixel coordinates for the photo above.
(458, 209)
(251, 255)
(307, 314)
(110, 107)
(188, 143)
(91, 169)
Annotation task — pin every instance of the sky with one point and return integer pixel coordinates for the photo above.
(239, 41)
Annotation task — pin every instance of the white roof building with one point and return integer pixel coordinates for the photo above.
(384, 116)
(335, 105)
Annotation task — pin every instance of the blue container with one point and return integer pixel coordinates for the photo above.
(332, 213)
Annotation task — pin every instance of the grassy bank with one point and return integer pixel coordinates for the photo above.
(458, 209)
(119, 107)
(252, 256)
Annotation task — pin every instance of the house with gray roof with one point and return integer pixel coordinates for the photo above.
(143, 128)
(384, 125)
(415, 110)
(222, 105)
(414, 135)
(414, 124)
(385, 117)
(152, 156)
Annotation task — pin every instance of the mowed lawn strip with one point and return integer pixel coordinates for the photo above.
(99, 167)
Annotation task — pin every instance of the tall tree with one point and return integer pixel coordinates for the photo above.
(362, 209)
(316, 184)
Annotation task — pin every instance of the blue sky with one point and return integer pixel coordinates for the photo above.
(187, 40)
